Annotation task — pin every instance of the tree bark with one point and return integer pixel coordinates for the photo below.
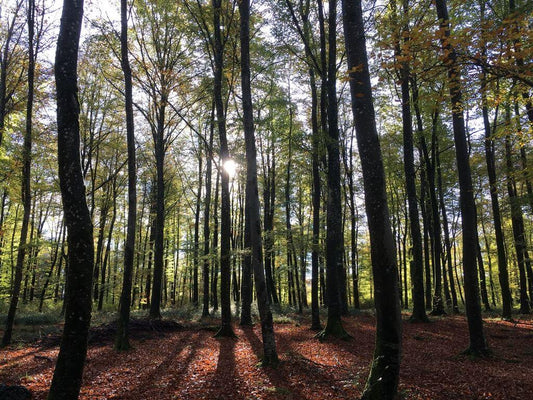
(334, 234)
(383, 379)
(478, 344)
(207, 209)
(69, 367)
(225, 209)
(270, 356)
(382, 382)
(122, 336)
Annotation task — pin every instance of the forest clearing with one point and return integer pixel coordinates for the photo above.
(187, 362)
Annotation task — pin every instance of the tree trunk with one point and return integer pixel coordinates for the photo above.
(26, 179)
(225, 209)
(334, 234)
(478, 345)
(517, 221)
(417, 266)
(122, 335)
(214, 282)
(270, 356)
(196, 260)
(207, 209)
(382, 382)
(69, 367)
(159, 226)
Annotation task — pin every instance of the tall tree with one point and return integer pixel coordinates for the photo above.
(66, 382)
(270, 356)
(382, 382)
(334, 234)
(121, 339)
(225, 208)
(12, 36)
(26, 175)
(478, 344)
(417, 267)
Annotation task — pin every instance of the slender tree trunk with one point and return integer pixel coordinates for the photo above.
(60, 239)
(270, 356)
(315, 306)
(104, 211)
(438, 303)
(225, 210)
(417, 266)
(382, 382)
(447, 258)
(73, 350)
(26, 180)
(103, 286)
(196, 260)
(122, 336)
(517, 221)
(334, 234)
(478, 344)
(207, 209)
(214, 283)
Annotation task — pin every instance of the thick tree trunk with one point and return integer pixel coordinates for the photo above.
(382, 382)
(478, 344)
(69, 367)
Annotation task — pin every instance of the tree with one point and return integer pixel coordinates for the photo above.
(66, 382)
(7, 58)
(417, 268)
(26, 177)
(478, 345)
(334, 234)
(270, 356)
(225, 209)
(382, 382)
(122, 337)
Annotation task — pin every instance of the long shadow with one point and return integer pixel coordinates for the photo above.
(277, 376)
(7, 374)
(224, 376)
(149, 380)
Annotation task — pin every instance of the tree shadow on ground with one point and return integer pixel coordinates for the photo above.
(148, 383)
(292, 360)
(224, 375)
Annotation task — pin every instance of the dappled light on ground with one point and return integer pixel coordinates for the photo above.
(189, 363)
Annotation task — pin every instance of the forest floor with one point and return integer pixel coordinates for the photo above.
(173, 361)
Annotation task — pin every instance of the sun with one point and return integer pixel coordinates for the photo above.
(230, 166)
